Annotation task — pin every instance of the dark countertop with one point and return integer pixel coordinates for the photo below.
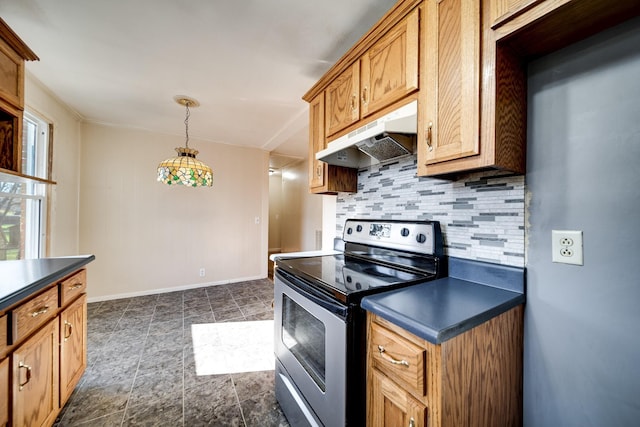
(22, 278)
(438, 310)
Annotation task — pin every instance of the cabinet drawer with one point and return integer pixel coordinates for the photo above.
(27, 317)
(398, 358)
(72, 287)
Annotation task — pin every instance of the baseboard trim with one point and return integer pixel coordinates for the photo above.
(174, 289)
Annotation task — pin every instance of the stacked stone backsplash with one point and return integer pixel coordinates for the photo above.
(481, 214)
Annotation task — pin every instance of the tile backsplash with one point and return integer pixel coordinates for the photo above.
(481, 214)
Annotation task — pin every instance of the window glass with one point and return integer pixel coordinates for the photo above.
(23, 202)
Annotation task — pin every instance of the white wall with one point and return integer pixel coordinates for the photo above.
(301, 210)
(150, 237)
(64, 204)
(581, 343)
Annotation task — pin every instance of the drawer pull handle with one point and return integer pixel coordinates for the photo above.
(28, 368)
(76, 286)
(412, 422)
(68, 327)
(390, 359)
(40, 311)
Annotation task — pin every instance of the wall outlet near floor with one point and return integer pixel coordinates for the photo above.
(202, 272)
(566, 246)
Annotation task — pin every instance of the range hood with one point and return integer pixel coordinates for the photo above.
(388, 138)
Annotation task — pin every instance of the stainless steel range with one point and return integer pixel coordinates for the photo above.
(320, 331)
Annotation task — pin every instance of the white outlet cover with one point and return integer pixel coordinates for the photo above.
(557, 247)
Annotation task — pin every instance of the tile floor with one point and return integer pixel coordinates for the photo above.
(141, 368)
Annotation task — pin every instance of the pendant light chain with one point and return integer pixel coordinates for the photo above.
(186, 124)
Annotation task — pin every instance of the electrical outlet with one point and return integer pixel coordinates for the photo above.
(202, 272)
(566, 247)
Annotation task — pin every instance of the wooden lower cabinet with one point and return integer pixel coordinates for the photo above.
(47, 355)
(393, 406)
(471, 380)
(4, 392)
(73, 346)
(35, 367)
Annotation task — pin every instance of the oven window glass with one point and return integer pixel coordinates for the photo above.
(304, 336)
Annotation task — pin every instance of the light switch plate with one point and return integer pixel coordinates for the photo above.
(566, 247)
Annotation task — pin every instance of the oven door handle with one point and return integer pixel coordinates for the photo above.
(304, 290)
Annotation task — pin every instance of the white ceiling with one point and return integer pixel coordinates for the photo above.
(248, 62)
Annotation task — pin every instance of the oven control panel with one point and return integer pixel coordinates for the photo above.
(413, 236)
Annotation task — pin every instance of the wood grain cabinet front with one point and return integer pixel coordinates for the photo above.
(28, 316)
(73, 346)
(384, 74)
(456, 389)
(389, 69)
(4, 392)
(35, 372)
(325, 178)
(73, 287)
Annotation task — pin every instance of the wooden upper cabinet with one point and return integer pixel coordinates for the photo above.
(342, 100)
(384, 74)
(316, 142)
(324, 178)
(389, 69)
(449, 106)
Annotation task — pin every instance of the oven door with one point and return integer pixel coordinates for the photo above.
(310, 346)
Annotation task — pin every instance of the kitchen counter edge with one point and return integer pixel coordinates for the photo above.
(473, 293)
(30, 276)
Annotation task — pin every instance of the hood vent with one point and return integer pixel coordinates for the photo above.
(388, 138)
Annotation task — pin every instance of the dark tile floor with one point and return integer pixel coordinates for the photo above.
(141, 368)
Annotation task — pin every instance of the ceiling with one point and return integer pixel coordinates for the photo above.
(248, 62)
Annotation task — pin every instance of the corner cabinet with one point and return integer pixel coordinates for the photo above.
(473, 379)
(472, 111)
(324, 178)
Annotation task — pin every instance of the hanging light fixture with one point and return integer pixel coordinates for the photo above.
(185, 169)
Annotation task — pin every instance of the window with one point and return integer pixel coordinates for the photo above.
(23, 202)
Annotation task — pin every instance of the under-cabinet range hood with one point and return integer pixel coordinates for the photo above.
(389, 137)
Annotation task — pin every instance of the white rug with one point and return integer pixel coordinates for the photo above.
(233, 347)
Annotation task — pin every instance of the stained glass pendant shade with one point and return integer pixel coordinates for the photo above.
(185, 169)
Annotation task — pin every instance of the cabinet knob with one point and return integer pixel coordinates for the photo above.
(354, 102)
(319, 171)
(427, 136)
(365, 95)
(412, 422)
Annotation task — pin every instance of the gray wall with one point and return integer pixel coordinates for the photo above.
(582, 324)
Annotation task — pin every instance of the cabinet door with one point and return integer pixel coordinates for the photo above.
(449, 107)
(35, 378)
(316, 142)
(390, 405)
(4, 392)
(73, 344)
(342, 101)
(389, 70)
